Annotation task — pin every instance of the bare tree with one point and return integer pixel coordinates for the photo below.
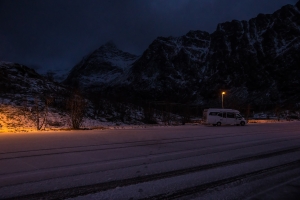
(77, 109)
(149, 114)
(166, 117)
(41, 111)
(186, 114)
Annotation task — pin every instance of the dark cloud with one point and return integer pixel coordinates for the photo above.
(57, 34)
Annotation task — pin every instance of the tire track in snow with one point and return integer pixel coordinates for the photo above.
(238, 145)
(89, 189)
(200, 188)
(158, 140)
(143, 143)
(191, 150)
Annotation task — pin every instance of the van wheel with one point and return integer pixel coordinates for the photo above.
(219, 124)
(242, 123)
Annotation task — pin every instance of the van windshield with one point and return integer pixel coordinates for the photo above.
(238, 115)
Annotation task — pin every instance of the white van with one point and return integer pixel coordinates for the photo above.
(219, 116)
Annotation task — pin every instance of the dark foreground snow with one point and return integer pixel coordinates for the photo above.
(256, 161)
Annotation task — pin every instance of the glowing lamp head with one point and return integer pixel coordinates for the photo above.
(223, 92)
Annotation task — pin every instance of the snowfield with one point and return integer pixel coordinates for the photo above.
(257, 161)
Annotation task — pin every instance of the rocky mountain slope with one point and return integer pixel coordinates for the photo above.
(258, 59)
(18, 81)
(256, 62)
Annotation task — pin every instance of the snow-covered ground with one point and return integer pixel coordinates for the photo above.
(171, 162)
(15, 119)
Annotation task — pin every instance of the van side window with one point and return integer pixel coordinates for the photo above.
(220, 114)
(230, 115)
(213, 113)
(224, 114)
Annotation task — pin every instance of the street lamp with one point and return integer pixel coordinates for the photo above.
(222, 99)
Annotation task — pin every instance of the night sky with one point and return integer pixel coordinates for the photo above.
(56, 34)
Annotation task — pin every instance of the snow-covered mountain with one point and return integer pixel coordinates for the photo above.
(257, 62)
(105, 65)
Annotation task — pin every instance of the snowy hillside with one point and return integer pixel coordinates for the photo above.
(26, 96)
(17, 79)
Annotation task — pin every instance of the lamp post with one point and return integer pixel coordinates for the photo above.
(222, 99)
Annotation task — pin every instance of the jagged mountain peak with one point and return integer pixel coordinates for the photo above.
(197, 34)
(109, 52)
(104, 65)
(110, 45)
(282, 14)
(298, 5)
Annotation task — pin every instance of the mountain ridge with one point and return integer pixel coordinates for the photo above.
(239, 54)
(249, 59)
(255, 61)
